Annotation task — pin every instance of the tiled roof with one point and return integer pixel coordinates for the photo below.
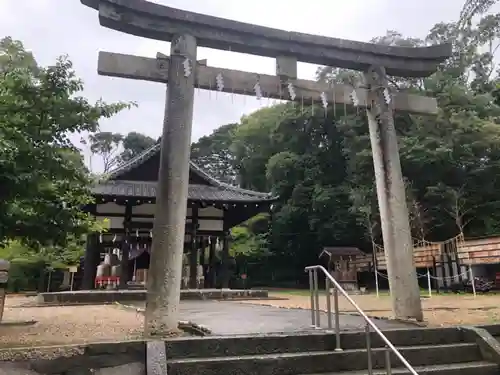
(145, 189)
(214, 191)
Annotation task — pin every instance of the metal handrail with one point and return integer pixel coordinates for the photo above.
(315, 317)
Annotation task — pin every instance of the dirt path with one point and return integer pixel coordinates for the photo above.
(440, 310)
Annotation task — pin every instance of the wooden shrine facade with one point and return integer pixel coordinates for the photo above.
(126, 200)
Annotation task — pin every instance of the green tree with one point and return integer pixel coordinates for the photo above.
(474, 8)
(213, 154)
(43, 181)
(135, 144)
(107, 145)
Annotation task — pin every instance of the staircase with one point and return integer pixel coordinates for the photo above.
(447, 351)
(419, 351)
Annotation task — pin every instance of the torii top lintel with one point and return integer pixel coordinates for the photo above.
(150, 20)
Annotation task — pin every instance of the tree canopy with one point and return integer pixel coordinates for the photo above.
(43, 180)
(115, 148)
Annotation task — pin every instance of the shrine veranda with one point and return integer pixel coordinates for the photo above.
(126, 201)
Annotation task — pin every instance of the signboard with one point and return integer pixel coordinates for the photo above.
(73, 269)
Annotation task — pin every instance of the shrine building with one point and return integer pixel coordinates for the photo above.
(127, 200)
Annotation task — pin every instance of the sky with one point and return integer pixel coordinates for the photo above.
(51, 28)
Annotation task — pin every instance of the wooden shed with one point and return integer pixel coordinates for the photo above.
(342, 266)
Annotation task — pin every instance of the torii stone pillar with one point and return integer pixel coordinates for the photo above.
(163, 295)
(396, 232)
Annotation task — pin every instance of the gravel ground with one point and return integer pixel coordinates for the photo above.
(439, 310)
(67, 324)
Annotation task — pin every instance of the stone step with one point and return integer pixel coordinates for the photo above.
(467, 368)
(322, 361)
(219, 346)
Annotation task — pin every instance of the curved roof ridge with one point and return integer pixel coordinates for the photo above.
(154, 149)
(128, 165)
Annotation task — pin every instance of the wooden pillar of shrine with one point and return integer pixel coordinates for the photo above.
(193, 251)
(212, 275)
(90, 261)
(125, 248)
(225, 261)
(202, 246)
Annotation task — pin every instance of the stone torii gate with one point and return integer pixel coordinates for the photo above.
(186, 31)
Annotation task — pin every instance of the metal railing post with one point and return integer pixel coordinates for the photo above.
(337, 318)
(328, 303)
(369, 349)
(311, 290)
(316, 298)
(370, 325)
(388, 366)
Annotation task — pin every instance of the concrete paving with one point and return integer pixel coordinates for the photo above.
(233, 318)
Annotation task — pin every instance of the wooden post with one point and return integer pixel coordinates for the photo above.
(124, 269)
(434, 269)
(124, 262)
(193, 264)
(193, 251)
(212, 275)
(391, 195)
(163, 297)
(225, 261)
(202, 262)
(90, 262)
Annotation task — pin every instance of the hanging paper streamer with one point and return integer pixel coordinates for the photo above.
(258, 90)
(324, 100)
(220, 82)
(114, 238)
(209, 240)
(387, 96)
(100, 238)
(151, 234)
(187, 67)
(291, 91)
(135, 270)
(137, 232)
(354, 98)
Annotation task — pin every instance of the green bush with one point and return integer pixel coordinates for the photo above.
(29, 268)
(25, 275)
